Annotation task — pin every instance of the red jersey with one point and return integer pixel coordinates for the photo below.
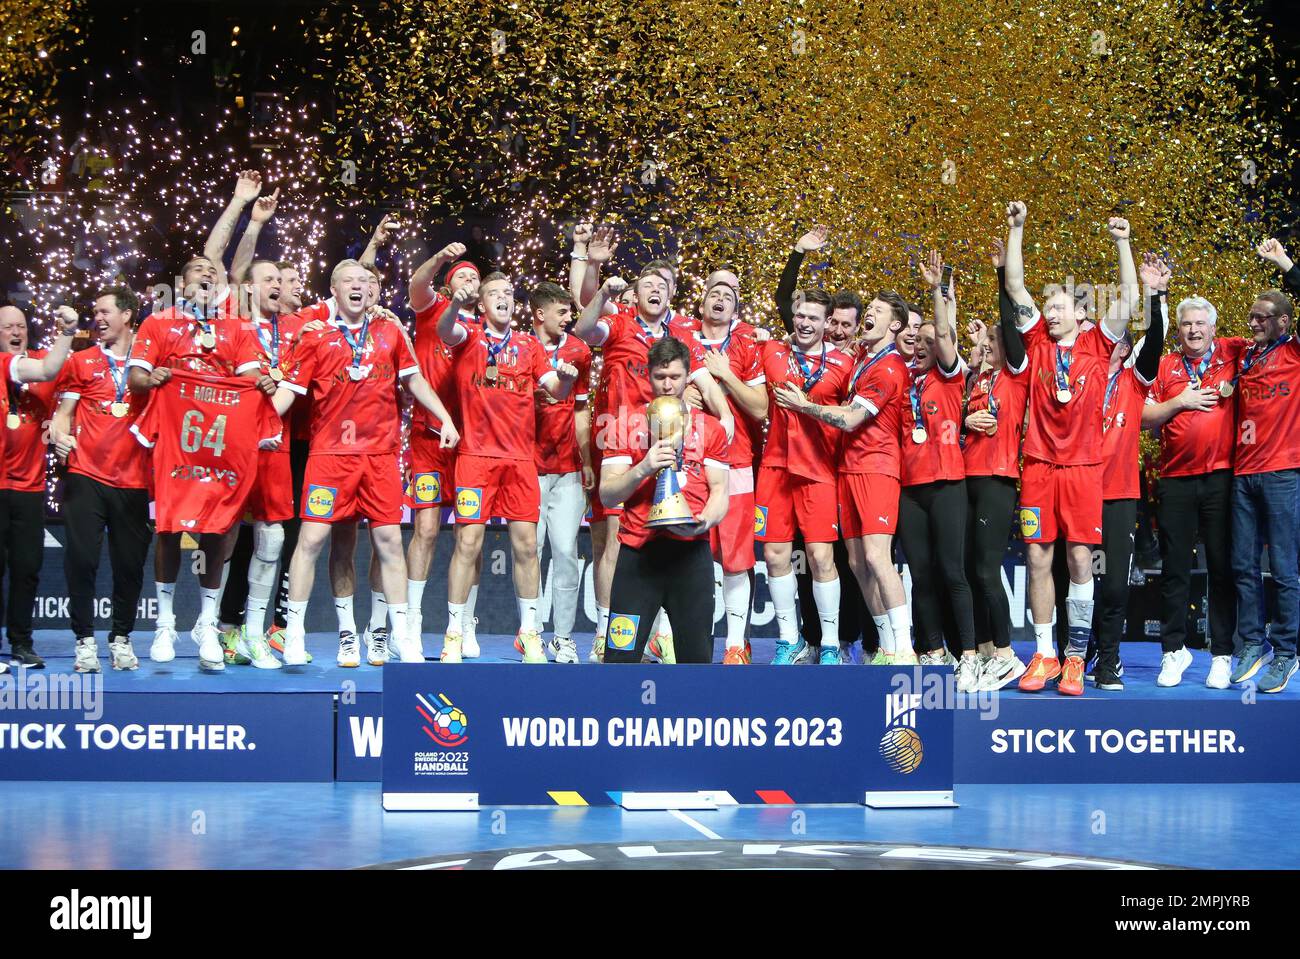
(796, 442)
(557, 437)
(7, 374)
(204, 431)
(300, 412)
(435, 359)
(1122, 425)
(746, 360)
(105, 451)
(1066, 434)
(1192, 443)
(879, 384)
(625, 375)
(353, 416)
(695, 326)
(33, 404)
(704, 446)
(173, 338)
(933, 402)
(497, 413)
(999, 454)
(1268, 416)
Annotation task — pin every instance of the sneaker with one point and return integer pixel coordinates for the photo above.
(409, 650)
(968, 674)
(938, 657)
(4, 667)
(87, 659)
(661, 647)
(230, 647)
(905, 658)
(349, 650)
(1040, 671)
(163, 649)
(469, 641)
(377, 651)
(1220, 672)
(734, 656)
(23, 655)
(1071, 681)
(123, 656)
(1107, 678)
(787, 654)
(1172, 666)
(294, 649)
(212, 655)
(414, 628)
(880, 658)
(564, 649)
(597, 654)
(531, 643)
(1000, 671)
(451, 648)
(255, 650)
(846, 654)
(1278, 674)
(830, 655)
(1251, 659)
(275, 638)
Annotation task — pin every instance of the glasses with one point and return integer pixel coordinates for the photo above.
(1260, 317)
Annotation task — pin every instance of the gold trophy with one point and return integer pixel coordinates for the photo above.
(667, 416)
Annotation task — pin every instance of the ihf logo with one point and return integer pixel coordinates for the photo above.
(901, 746)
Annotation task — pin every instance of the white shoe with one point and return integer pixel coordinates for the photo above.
(1220, 673)
(378, 649)
(409, 650)
(257, 650)
(564, 649)
(87, 660)
(163, 649)
(415, 627)
(212, 657)
(469, 641)
(452, 649)
(1172, 666)
(968, 674)
(119, 647)
(295, 650)
(349, 650)
(999, 671)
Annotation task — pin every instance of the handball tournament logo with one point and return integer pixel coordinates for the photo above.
(901, 745)
(444, 722)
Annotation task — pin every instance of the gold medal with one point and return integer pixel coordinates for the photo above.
(356, 373)
(1226, 388)
(276, 373)
(208, 340)
(119, 409)
(490, 374)
(1062, 396)
(12, 421)
(919, 435)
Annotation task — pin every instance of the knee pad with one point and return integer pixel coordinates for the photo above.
(268, 541)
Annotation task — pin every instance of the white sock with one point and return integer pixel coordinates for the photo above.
(602, 621)
(166, 617)
(378, 610)
(343, 609)
(826, 597)
(261, 581)
(782, 589)
(293, 618)
(468, 620)
(662, 625)
(1044, 640)
(737, 601)
(208, 599)
(527, 614)
(455, 617)
(900, 622)
(884, 631)
(414, 596)
(396, 621)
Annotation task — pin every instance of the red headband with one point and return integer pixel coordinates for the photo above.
(462, 265)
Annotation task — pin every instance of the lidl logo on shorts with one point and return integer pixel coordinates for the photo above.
(469, 502)
(428, 487)
(320, 500)
(622, 631)
(1030, 522)
(760, 520)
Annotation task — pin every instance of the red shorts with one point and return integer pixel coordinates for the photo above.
(487, 487)
(732, 540)
(599, 513)
(1060, 501)
(433, 472)
(272, 498)
(868, 504)
(342, 487)
(783, 499)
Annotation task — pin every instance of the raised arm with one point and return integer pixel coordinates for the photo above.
(1116, 318)
(46, 368)
(1015, 262)
(1155, 278)
(387, 223)
(586, 329)
(1273, 251)
(247, 187)
(423, 288)
(945, 310)
(447, 329)
(810, 242)
(593, 247)
(262, 211)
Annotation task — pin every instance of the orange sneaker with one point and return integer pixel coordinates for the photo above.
(1071, 681)
(275, 639)
(735, 656)
(1041, 671)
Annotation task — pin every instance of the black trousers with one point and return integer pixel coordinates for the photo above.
(668, 573)
(1192, 507)
(89, 508)
(932, 535)
(298, 466)
(855, 620)
(22, 549)
(992, 508)
(1110, 600)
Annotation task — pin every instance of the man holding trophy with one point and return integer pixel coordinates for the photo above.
(664, 557)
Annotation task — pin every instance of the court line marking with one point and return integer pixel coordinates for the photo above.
(697, 826)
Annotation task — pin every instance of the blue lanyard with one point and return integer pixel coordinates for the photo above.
(202, 317)
(727, 342)
(914, 394)
(119, 379)
(1111, 386)
(809, 378)
(1201, 367)
(555, 353)
(863, 367)
(358, 344)
(993, 403)
(1063, 360)
(495, 350)
(272, 349)
(1255, 355)
(667, 326)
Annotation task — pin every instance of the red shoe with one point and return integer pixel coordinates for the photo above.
(1071, 681)
(735, 656)
(1041, 671)
(275, 639)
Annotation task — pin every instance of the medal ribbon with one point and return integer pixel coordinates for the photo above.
(810, 379)
(358, 344)
(862, 368)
